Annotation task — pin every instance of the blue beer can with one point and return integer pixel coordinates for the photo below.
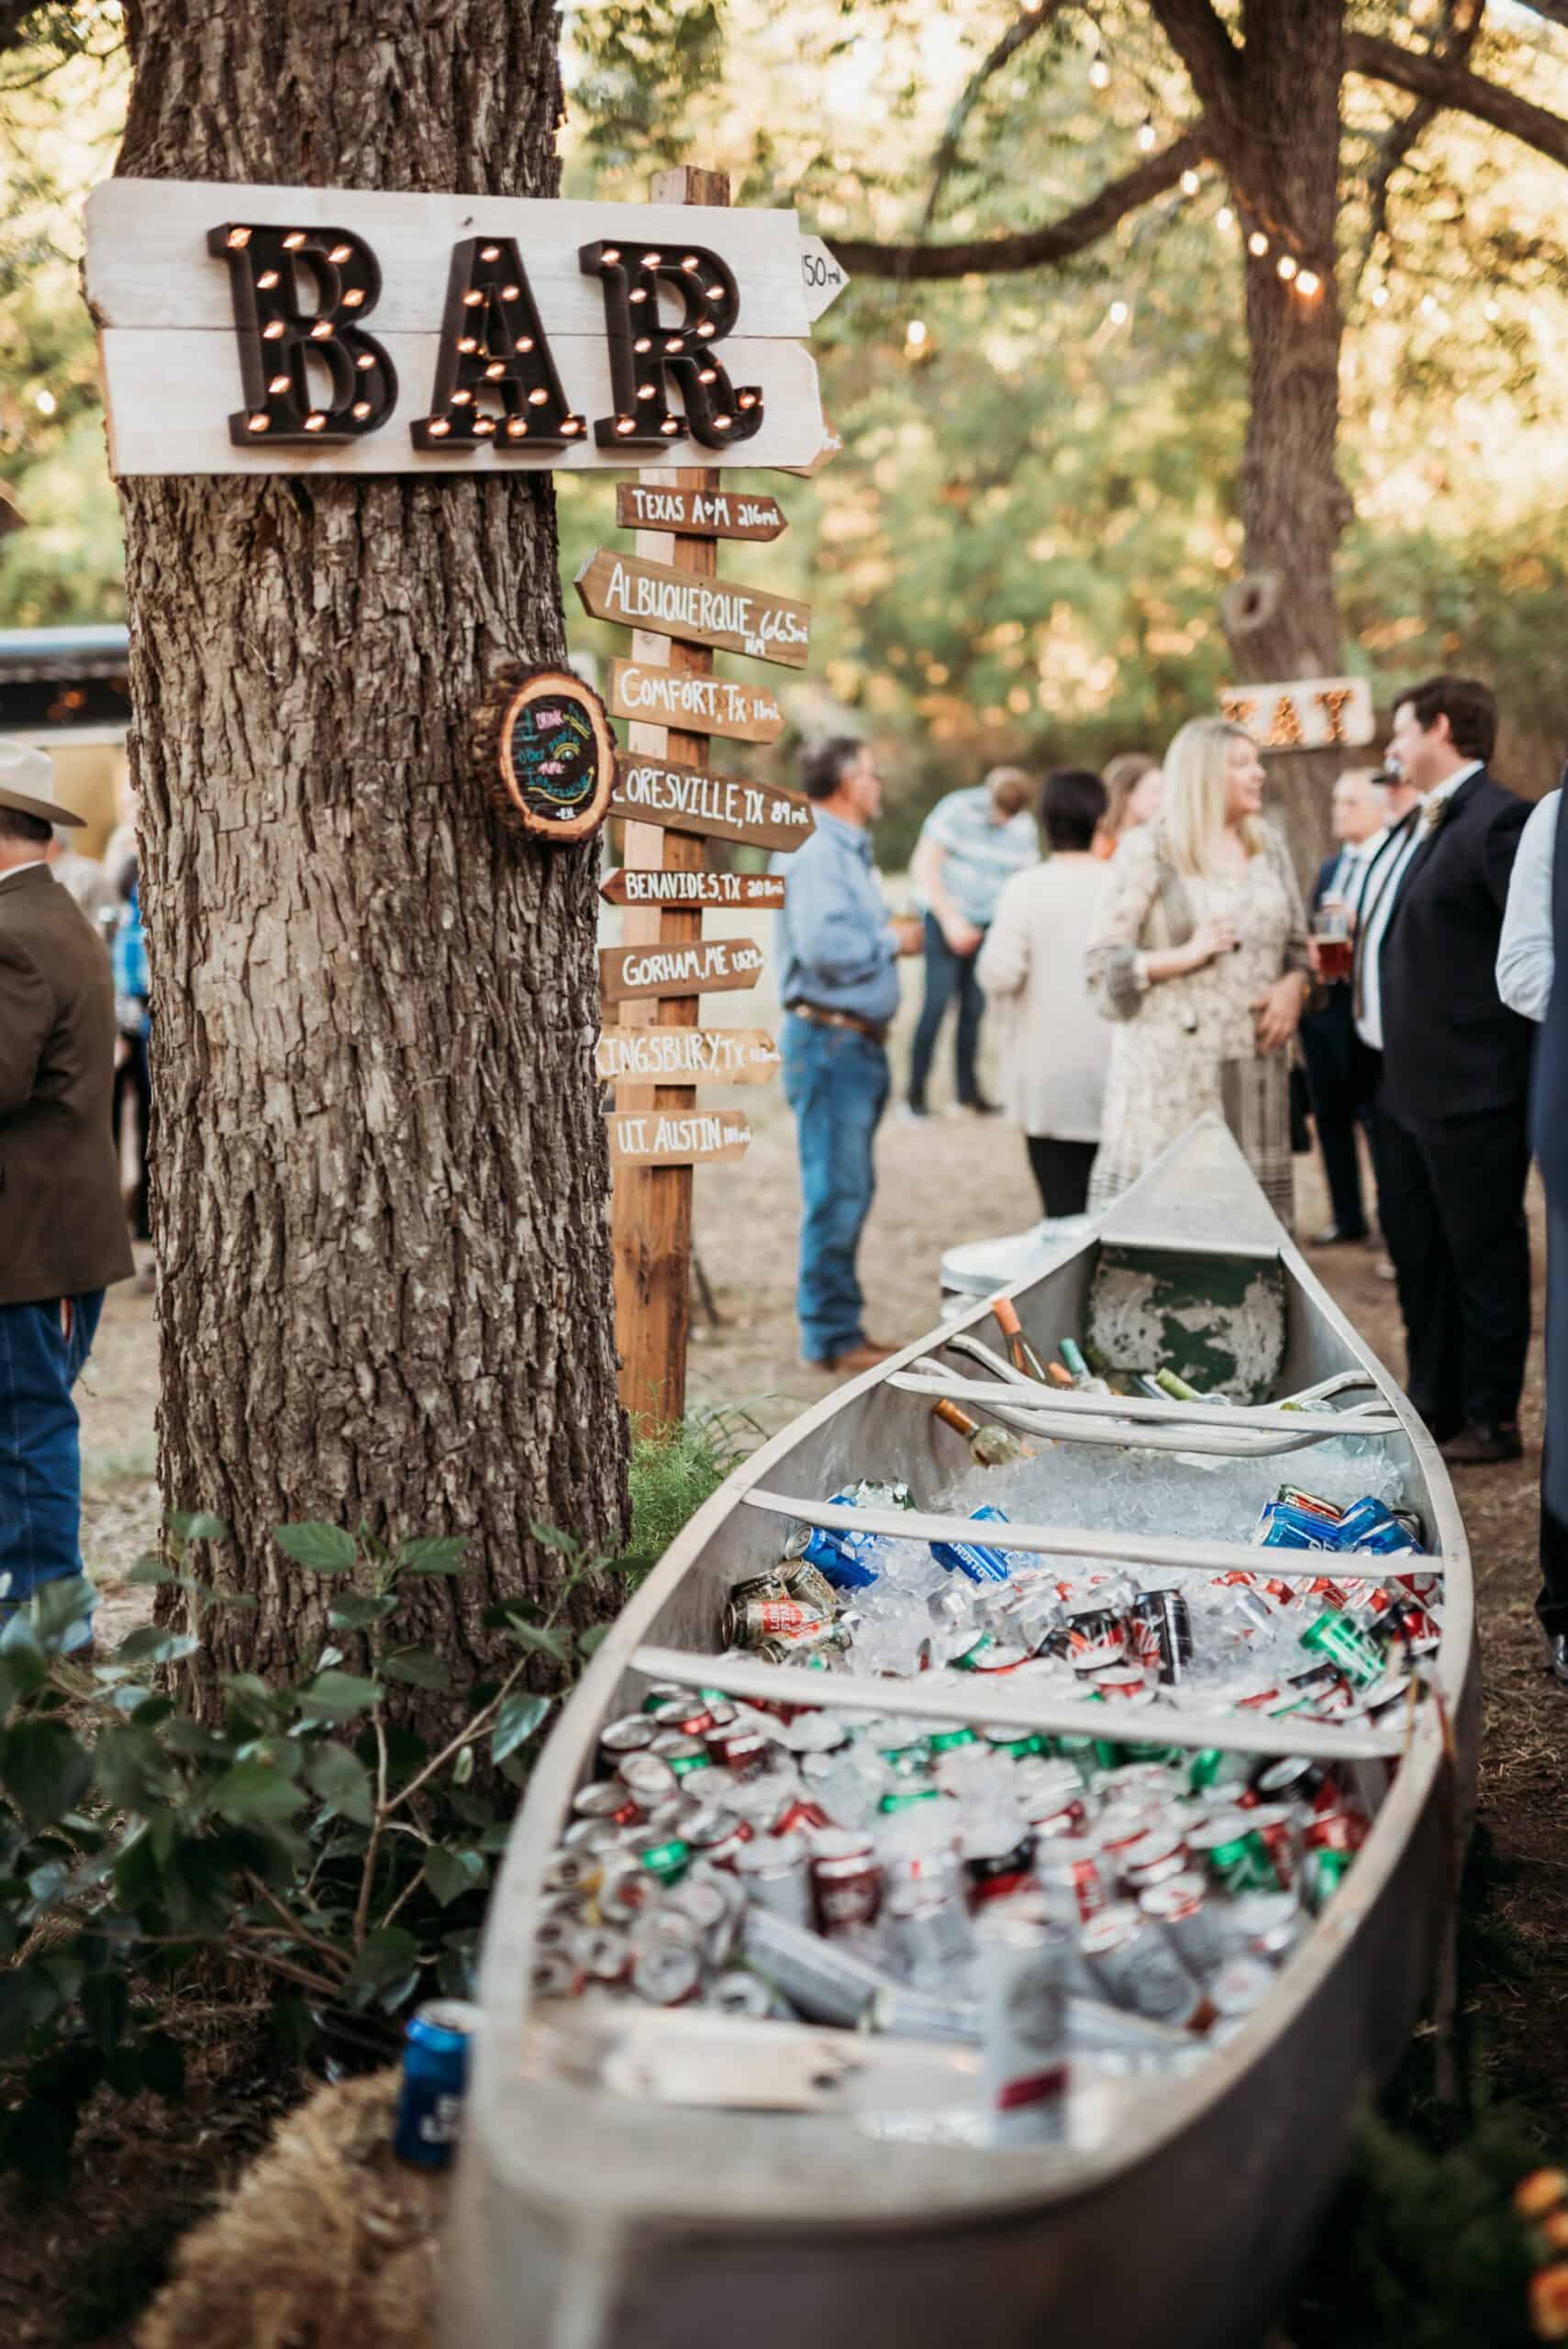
(1368, 1525)
(435, 2077)
(980, 1563)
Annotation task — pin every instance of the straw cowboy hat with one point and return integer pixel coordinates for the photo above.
(27, 780)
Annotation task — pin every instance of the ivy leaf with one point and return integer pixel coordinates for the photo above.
(356, 1610)
(339, 1692)
(518, 1718)
(419, 1667)
(540, 1636)
(340, 1778)
(56, 1606)
(324, 1549)
(386, 1958)
(46, 1770)
(256, 1790)
(463, 1768)
(551, 1537)
(151, 1570)
(590, 1642)
(197, 1525)
(448, 1874)
(150, 1645)
(442, 1555)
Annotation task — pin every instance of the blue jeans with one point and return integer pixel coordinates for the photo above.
(946, 975)
(40, 1454)
(835, 1081)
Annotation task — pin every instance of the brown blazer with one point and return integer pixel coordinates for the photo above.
(63, 1222)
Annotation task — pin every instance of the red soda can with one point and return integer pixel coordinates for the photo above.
(846, 1880)
(1074, 1877)
(800, 1815)
(1271, 1821)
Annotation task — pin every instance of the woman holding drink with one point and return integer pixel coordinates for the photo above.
(1200, 953)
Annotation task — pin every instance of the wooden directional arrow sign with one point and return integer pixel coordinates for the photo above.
(677, 1138)
(823, 277)
(698, 513)
(699, 611)
(694, 704)
(705, 967)
(686, 1056)
(653, 885)
(716, 807)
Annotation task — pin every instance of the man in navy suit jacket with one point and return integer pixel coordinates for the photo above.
(1454, 1150)
(1340, 1069)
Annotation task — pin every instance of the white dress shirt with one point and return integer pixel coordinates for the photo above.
(1526, 951)
(1368, 1019)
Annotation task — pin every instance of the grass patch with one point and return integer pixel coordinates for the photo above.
(675, 1471)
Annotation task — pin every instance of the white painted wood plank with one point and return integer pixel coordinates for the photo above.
(169, 395)
(825, 278)
(148, 264)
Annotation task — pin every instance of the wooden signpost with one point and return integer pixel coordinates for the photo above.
(677, 1138)
(698, 513)
(696, 705)
(686, 1056)
(700, 967)
(656, 1055)
(713, 807)
(653, 886)
(664, 598)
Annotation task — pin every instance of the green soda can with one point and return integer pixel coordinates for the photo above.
(1080, 1751)
(948, 1741)
(1232, 1856)
(666, 1863)
(1014, 1744)
(1322, 1873)
(970, 1660)
(908, 1797)
(1336, 1638)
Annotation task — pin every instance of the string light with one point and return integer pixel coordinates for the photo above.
(1286, 266)
(1118, 314)
(1147, 135)
(1257, 244)
(1379, 296)
(915, 335)
(1428, 306)
(1189, 182)
(1308, 282)
(45, 402)
(1492, 314)
(1099, 72)
(1224, 217)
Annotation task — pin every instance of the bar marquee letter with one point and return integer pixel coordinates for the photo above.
(275, 335)
(641, 350)
(493, 347)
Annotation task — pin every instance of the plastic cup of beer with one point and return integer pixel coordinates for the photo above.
(1331, 930)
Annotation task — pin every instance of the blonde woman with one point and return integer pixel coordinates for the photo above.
(1199, 952)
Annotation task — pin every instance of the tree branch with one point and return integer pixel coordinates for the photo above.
(1031, 248)
(1022, 29)
(1200, 39)
(1455, 40)
(1454, 85)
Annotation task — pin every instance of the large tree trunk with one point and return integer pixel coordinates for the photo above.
(380, 1178)
(1285, 141)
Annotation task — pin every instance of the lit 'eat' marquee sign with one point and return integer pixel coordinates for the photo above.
(288, 330)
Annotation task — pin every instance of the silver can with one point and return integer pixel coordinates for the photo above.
(1022, 1966)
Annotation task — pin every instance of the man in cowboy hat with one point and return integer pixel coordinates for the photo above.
(62, 1227)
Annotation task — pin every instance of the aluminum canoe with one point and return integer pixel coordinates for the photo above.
(587, 2220)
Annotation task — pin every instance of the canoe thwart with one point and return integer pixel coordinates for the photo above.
(1374, 1418)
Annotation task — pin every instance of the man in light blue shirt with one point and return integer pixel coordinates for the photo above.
(972, 842)
(839, 950)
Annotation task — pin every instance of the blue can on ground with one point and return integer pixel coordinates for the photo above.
(435, 2077)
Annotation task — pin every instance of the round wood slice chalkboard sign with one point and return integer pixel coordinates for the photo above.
(546, 754)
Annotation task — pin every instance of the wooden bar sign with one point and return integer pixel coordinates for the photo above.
(680, 1138)
(698, 513)
(653, 885)
(686, 1056)
(719, 613)
(716, 807)
(696, 705)
(707, 966)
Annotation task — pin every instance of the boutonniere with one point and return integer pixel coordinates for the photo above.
(1436, 812)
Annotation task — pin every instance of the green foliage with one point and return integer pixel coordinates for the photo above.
(676, 1471)
(332, 1830)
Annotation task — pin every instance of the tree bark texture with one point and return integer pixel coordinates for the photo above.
(1281, 147)
(380, 1178)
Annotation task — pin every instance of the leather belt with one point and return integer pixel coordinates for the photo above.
(820, 1017)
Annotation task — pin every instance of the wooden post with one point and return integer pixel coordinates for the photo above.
(650, 1211)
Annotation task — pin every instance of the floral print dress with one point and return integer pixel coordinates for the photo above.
(1186, 1045)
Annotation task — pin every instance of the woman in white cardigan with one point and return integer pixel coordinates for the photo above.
(1055, 1045)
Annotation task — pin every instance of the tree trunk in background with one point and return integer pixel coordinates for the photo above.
(380, 1179)
(1284, 141)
